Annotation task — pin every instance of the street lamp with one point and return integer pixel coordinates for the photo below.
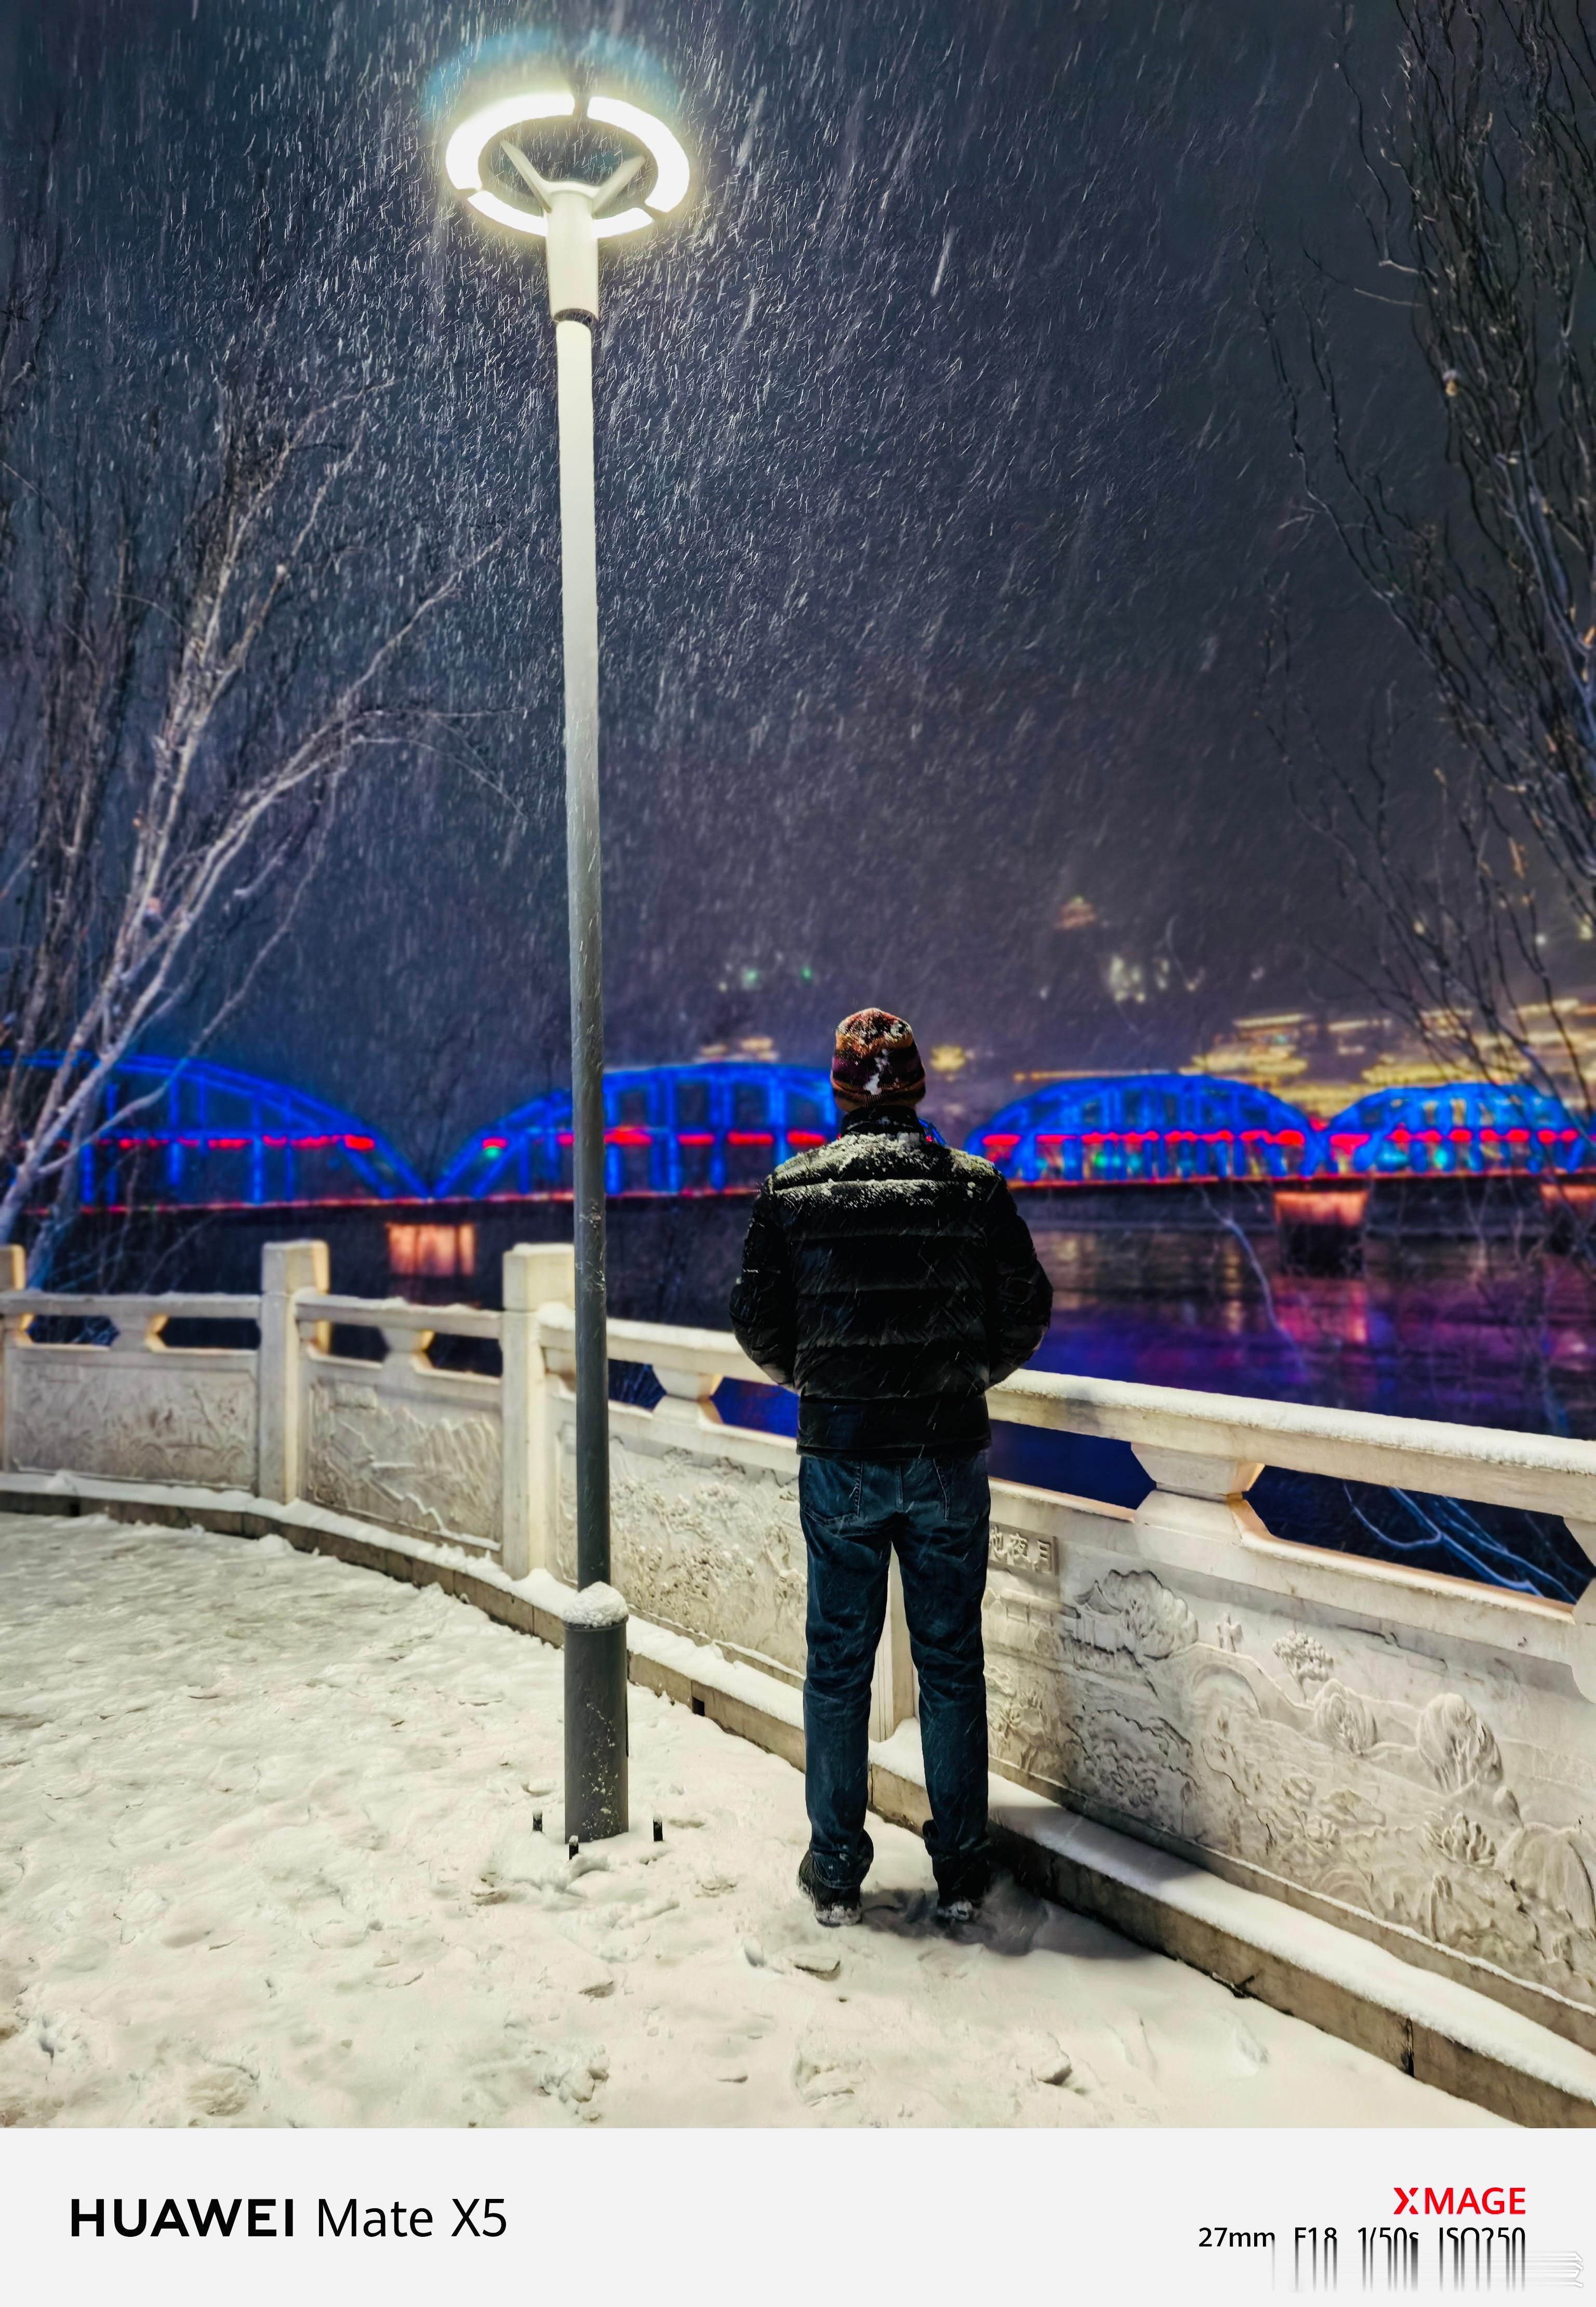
(572, 217)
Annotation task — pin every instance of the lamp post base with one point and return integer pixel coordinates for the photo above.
(595, 1731)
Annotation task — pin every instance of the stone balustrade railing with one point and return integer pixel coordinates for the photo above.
(1412, 1757)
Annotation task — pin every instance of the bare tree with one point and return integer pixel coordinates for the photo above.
(1481, 177)
(29, 297)
(188, 692)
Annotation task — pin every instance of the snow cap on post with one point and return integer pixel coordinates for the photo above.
(598, 1605)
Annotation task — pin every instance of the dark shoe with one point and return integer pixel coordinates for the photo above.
(955, 1911)
(833, 1908)
(961, 1886)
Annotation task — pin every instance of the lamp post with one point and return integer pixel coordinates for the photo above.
(572, 217)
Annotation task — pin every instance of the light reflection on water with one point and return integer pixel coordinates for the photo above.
(1485, 1334)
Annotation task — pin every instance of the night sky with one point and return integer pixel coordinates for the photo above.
(944, 491)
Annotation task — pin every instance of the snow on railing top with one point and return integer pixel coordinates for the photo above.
(712, 1353)
(1545, 1474)
(131, 1310)
(400, 1315)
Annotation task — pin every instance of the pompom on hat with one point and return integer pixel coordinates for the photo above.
(876, 1061)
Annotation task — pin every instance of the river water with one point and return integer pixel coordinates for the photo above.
(1487, 1333)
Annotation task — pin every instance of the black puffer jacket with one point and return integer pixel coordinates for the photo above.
(891, 1280)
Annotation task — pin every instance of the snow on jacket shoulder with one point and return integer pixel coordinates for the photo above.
(889, 1279)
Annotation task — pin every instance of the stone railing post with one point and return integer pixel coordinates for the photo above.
(1199, 1497)
(286, 1268)
(535, 1274)
(13, 1275)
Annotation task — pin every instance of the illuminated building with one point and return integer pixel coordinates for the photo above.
(1320, 1061)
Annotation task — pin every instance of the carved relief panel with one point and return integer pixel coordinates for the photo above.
(1375, 1776)
(139, 1417)
(704, 1545)
(430, 1468)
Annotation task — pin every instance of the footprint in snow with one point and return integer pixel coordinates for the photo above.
(1132, 2038)
(1249, 2054)
(725, 2058)
(818, 2076)
(819, 1962)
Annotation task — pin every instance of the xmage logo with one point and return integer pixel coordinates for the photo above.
(1454, 2202)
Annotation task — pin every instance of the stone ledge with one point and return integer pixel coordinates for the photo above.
(1432, 2028)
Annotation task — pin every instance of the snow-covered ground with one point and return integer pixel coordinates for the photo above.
(267, 1857)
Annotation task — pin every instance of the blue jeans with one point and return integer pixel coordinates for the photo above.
(935, 1510)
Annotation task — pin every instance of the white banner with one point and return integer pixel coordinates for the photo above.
(793, 2219)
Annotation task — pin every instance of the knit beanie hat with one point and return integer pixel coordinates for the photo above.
(876, 1062)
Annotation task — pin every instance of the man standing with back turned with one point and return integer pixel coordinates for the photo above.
(891, 1281)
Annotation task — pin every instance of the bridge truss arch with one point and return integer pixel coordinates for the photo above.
(176, 1131)
(1457, 1129)
(717, 1126)
(1113, 1128)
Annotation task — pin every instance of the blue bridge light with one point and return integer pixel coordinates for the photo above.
(1459, 1130)
(1119, 1129)
(199, 1134)
(195, 1134)
(705, 1128)
(1115, 1128)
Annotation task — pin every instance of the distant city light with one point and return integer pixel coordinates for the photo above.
(1126, 980)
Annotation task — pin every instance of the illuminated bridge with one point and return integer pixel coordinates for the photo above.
(199, 1135)
(707, 1128)
(1463, 1129)
(1147, 1127)
(194, 1132)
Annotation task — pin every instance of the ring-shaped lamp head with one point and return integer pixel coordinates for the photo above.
(469, 143)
